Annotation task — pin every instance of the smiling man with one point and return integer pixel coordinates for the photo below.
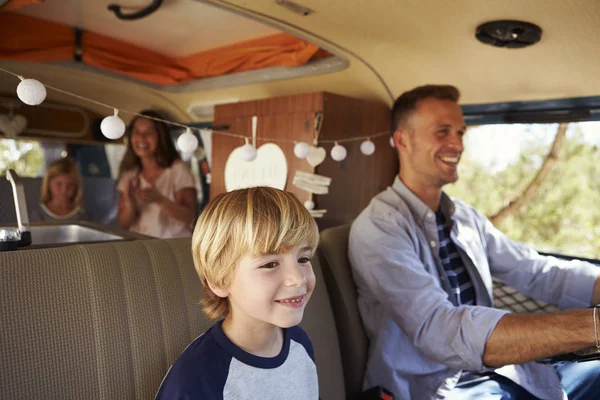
(423, 265)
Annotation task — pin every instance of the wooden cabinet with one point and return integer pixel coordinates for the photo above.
(355, 180)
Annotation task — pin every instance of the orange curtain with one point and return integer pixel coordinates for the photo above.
(15, 4)
(276, 50)
(31, 39)
(113, 55)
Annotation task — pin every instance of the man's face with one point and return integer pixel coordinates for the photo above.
(432, 143)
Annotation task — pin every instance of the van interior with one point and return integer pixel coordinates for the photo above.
(91, 310)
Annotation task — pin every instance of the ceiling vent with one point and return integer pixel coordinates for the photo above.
(509, 34)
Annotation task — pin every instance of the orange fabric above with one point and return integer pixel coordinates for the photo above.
(271, 51)
(113, 55)
(32, 39)
(16, 4)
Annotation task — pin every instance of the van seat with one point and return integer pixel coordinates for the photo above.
(332, 253)
(107, 320)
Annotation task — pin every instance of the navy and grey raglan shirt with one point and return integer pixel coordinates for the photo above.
(212, 367)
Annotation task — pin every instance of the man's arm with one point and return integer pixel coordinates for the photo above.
(467, 337)
(522, 338)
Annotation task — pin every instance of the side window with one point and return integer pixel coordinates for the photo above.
(548, 200)
(24, 156)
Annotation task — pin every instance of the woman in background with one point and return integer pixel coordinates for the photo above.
(62, 193)
(158, 192)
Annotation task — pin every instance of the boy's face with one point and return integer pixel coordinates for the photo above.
(272, 288)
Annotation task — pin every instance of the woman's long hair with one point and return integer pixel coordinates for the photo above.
(165, 154)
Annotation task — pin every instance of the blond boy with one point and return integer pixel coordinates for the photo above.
(252, 250)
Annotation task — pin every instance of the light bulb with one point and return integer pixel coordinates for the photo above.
(247, 152)
(367, 147)
(31, 92)
(338, 153)
(301, 150)
(187, 142)
(113, 127)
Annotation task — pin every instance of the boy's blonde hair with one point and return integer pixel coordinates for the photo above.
(254, 221)
(61, 167)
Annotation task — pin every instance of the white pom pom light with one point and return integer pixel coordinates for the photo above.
(248, 152)
(187, 141)
(309, 204)
(113, 127)
(367, 147)
(301, 150)
(338, 153)
(31, 92)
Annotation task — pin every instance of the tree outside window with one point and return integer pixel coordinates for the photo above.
(560, 213)
(25, 157)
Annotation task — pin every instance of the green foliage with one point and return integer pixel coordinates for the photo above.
(23, 156)
(563, 215)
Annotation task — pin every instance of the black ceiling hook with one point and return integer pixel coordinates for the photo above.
(138, 14)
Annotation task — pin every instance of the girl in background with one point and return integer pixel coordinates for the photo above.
(157, 189)
(62, 193)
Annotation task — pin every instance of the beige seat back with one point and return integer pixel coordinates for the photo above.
(319, 323)
(106, 321)
(333, 256)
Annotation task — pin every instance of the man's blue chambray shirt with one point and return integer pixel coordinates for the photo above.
(420, 340)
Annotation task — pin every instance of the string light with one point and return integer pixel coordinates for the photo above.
(367, 147)
(187, 141)
(338, 152)
(301, 150)
(113, 127)
(247, 152)
(33, 92)
(30, 91)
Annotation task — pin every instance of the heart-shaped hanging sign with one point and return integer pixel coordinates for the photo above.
(268, 169)
(316, 156)
(11, 128)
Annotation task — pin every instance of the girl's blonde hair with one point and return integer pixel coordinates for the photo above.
(61, 167)
(254, 221)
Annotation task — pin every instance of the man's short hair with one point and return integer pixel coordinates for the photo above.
(407, 103)
(255, 222)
